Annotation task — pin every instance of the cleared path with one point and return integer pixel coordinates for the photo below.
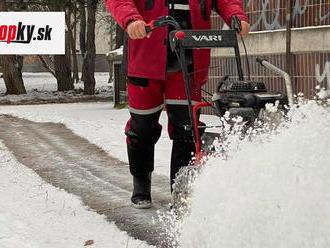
(72, 163)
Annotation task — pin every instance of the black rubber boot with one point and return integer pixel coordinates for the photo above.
(141, 197)
(141, 163)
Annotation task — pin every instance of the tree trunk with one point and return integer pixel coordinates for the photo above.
(74, 47)
(68, 34)
(12, 69)
(82, 35)
(89, 59)
(63, 73)
(12, 74)
(62, 66)
(46, 65)
(62, 63)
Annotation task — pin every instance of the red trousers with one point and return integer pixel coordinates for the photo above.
(143, 129)
(150, 99)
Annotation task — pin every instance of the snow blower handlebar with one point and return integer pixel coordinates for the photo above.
(160, 22)
(180, 40)
(169, 20)
(285, 75)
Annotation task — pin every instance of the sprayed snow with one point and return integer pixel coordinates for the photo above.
(273, 191)
(36, 214)
(323, 93)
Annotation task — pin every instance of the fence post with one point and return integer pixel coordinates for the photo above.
(289, 5)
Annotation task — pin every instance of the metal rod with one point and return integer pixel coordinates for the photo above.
(285, 75)
(186, 77)
(288, 36)
(239, 64)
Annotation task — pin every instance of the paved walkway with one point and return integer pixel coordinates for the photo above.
(72, 163)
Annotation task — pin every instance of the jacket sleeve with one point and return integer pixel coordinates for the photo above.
(123, 11)
(228, 8)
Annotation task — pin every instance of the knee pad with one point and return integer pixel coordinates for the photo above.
(143, 129)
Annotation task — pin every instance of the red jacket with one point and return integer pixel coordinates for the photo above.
(147, 57)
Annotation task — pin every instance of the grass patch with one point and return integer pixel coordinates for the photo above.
(121, 105)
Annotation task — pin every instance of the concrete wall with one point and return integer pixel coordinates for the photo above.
(270, 42)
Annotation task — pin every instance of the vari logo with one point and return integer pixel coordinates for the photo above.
(32, 33)
(207, 37)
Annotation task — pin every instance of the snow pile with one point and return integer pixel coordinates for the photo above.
(35, 214)
(271, 191)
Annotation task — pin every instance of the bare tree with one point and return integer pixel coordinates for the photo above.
(48, 63)
(106, 20)
(89, 58)
(12, 74)
(73, 31)
(82, 33)
(114, 31)
(12, 68)
(61, 63)
(84, 12)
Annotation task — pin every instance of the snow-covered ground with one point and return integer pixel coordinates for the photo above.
(272, 191)
(34, 214)
(48, 217)
(41, 87)
(55, 212)
(100, 123)
(44, 81)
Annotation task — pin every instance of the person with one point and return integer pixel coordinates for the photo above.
(155, 79)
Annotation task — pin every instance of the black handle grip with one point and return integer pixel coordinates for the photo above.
(148, 29)
(236, 24)
(160, 22)
(150, 26)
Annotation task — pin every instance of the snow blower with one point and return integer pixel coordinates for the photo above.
(242, 97)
